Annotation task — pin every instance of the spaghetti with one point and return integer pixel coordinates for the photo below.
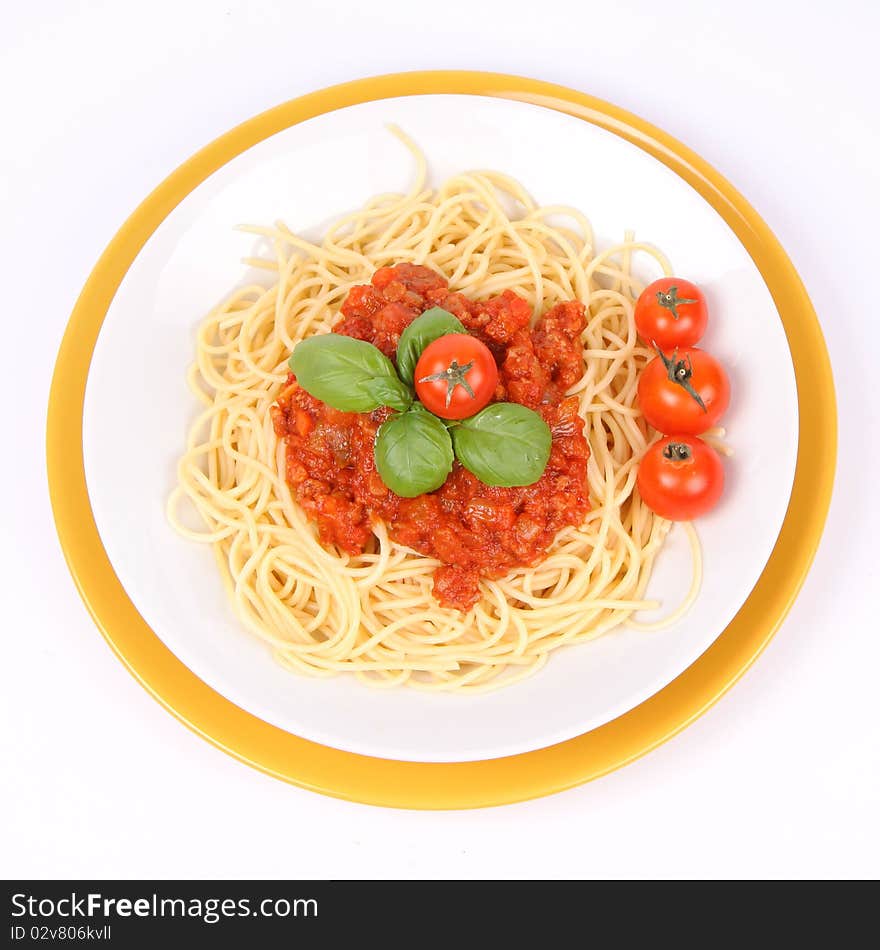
(323, 611)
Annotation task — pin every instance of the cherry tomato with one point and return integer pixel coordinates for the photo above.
(456, 376)
(671, 312)
(680, 478)
(685, 392)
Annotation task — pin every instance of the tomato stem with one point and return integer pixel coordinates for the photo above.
(680, 372)
(677, 451)
(670, 300)
(453, 375)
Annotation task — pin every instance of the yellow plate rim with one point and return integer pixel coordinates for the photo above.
(461, 784)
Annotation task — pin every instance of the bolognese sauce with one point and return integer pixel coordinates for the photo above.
(475, 530)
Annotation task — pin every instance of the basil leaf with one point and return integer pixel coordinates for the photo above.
(413, 453)
(430, 326)
(388, 391)
(505, 444)
(335, 368)
(419, 407)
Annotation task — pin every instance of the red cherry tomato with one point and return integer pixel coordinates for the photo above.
(671, 313)
(680, 478)
(685, 392)
(456, 376)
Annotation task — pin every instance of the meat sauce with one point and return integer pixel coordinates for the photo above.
(476, 530)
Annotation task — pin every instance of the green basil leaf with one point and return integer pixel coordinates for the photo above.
(334, 369)
(419, 407)
(413, 453)
(505, 444)
(388, 391)
(430, 326)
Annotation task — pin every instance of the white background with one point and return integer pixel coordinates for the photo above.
(99, 102)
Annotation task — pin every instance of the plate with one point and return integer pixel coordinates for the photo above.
(306, 161)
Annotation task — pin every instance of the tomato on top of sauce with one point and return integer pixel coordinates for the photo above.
(476, 530)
